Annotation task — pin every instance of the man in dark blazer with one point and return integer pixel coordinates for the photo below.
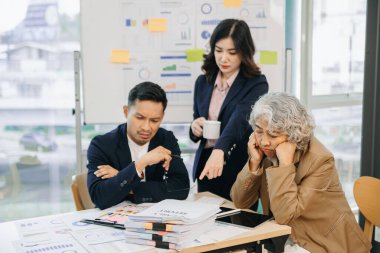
(137, 161)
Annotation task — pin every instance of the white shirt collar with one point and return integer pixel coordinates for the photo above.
(137, 151)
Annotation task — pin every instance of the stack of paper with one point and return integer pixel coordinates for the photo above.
(170, 224)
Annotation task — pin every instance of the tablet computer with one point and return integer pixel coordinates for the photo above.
(242, 218)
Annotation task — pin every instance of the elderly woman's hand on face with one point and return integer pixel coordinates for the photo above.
(254, 152)
(285, 153)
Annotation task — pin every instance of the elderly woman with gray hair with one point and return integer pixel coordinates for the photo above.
(295, 177)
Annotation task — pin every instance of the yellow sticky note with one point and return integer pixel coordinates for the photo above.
(193, 55)
(120, 56)
(157, 24)
(232, 3)
(268, 57)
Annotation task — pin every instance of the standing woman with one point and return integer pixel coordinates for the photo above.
(231, 84)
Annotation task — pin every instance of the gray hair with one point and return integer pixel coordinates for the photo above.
(284, 113)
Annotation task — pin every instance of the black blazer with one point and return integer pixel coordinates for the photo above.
(112, 149)
(234, 113)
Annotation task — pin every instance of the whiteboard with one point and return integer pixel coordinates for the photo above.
(125, 42)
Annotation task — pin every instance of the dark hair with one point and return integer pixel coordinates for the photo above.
(240, 34)
(147, 91)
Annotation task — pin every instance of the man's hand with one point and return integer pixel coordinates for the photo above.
(285, 153)
(197, 126)
(214, 165)
(154, 156)
(254, 152)
(106, 171)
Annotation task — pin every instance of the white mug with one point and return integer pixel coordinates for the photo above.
(211, 129)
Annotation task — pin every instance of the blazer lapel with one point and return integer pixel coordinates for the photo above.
(237, 87)
(154, 143)
(123, 153)
(301, 168)
(208, 93)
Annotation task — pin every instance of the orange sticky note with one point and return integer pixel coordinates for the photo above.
(232, 3)
(120, 56)
(157, 24)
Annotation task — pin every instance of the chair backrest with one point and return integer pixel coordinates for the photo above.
(366, 193)
(80, 193)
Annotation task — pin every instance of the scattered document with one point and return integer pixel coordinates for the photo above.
(67, 233)
(120, 247)
(68, 245)
(222, 231)
(216, 233)
(98, 236)
(119, 213)
(41, 230)
(177, 212)
(211, 200)
(73, 221)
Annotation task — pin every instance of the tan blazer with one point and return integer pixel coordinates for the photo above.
(308, 197)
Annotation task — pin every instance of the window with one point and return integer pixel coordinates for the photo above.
(37, 134)
(338, 43)
(37, 139)
(334, 55)
(339, 129)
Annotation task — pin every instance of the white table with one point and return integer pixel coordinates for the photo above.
(9, 234)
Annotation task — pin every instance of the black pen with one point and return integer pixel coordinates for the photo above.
(177, 156)
(104, 223)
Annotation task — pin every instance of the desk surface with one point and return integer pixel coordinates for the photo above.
(263, 231)
(9, 234)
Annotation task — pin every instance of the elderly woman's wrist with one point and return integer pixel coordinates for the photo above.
(253, 165)
(286, 163)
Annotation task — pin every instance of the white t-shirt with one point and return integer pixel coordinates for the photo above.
(137, 151)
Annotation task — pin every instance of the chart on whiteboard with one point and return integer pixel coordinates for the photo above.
(164, 42)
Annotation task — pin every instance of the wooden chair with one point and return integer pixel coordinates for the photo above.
(80, 193)
(366, 193)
